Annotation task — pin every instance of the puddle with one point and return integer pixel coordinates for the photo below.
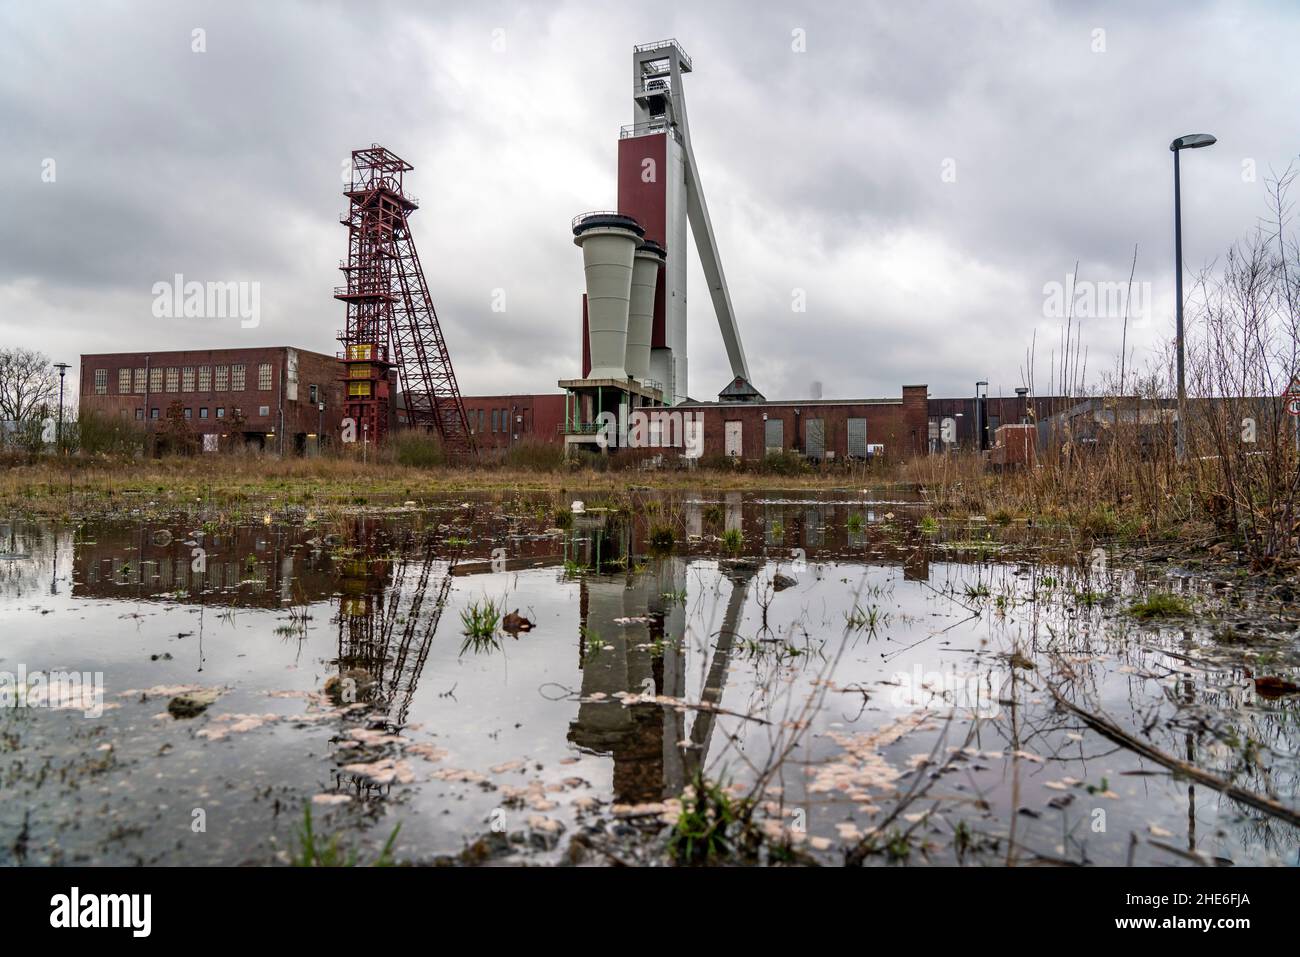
(885, 688)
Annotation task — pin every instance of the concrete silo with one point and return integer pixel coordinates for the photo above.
(645, 278)
(609, 242)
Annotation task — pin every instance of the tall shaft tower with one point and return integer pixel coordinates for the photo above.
(392, 328)
(659, 186)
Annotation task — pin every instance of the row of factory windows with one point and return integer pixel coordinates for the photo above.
(478, 420)
(220, 412)
(231, 378)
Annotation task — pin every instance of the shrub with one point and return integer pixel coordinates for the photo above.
(1160, 605)
(662, 537)
(96, 434)
(712, 827)
(785, 462)
(535, 455)
(418, 450)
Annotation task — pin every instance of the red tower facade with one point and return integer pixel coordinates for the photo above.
(391, 322)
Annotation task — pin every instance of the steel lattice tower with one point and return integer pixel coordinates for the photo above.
(391, 323)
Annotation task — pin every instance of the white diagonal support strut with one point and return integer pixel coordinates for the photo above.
(697, 211)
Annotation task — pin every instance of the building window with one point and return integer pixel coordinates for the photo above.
(814, 438)
(482, 419)
(237, 378)
(173, 380)
(774, 436)
(187, 379)
(221, 412)
(139, 415)
(153, 413)
(155, 379)
(222, 378)
(313, 394)
(189, 413)
(496, 419)
(203, 412)
(264, 376)
(263, 410)
(123, 381)
(139, 381)
(205, 378)
(101, 382)
(857, 436)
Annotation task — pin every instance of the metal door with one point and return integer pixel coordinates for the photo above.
(731, 435)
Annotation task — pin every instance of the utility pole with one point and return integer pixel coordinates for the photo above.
(1191, 141)
(58, 435)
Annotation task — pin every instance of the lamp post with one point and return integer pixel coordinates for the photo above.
(1192, 141)
(980, 414)
(320, 427)
(58, 435)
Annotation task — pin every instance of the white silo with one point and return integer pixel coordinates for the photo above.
(641, 310)
(608, 241)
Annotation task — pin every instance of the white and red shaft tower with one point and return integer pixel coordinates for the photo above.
(659, 186)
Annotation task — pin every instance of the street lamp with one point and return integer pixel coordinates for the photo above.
(320, 426)
(1192, 141)
(58, 435)
(980, 414)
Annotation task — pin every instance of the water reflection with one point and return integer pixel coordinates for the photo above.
(371, 603)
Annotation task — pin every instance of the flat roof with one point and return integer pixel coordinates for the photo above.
(790, 402)
(170, 352)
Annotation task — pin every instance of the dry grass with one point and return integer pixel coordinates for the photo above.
(77, 486)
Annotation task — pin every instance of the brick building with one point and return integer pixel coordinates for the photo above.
(276, 389)
(499, 421)
(819, 429)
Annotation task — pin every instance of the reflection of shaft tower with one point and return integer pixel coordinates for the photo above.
(369, 638)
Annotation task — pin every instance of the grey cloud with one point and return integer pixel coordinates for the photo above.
(822, 169)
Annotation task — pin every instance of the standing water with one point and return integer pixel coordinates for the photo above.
(510, 680)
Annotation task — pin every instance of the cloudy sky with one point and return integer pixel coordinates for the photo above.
(921, 171)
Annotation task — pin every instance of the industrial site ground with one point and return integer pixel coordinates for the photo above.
(333, 663)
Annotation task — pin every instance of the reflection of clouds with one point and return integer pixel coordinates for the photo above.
(27, 559)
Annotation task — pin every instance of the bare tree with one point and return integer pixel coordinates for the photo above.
(28, 384)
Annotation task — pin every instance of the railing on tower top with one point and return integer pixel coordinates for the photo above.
(663, 45)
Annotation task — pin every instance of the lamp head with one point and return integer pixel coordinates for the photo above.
(1192, 141)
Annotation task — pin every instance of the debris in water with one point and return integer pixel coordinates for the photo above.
(514, 623)
(192, 703)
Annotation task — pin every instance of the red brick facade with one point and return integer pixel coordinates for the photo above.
(278, 395)
(499, 421)
(898, 425)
